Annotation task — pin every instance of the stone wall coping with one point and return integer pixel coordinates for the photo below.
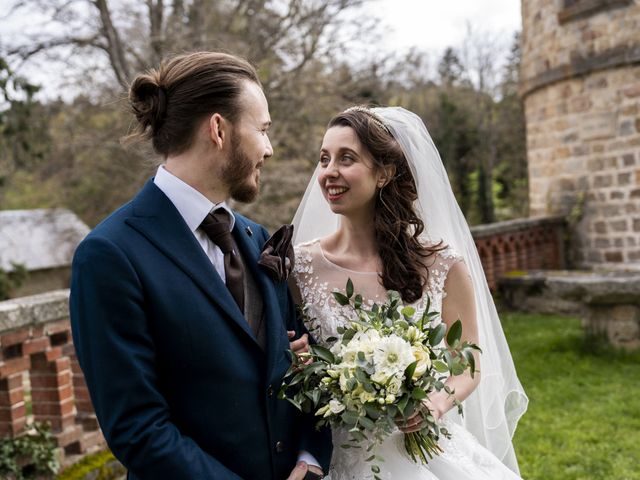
(616, 57)
(34, 310)
(510, 226)
(587, 8)
(588, 287)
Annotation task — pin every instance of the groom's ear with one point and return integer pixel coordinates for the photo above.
(387, 173)
(218, 130)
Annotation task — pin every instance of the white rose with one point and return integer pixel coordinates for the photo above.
(380, 377)
(394, 385)
(336, 407)
(424, 362)
(367, 397)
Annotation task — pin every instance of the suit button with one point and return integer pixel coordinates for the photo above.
(270, 391)
(279, 447)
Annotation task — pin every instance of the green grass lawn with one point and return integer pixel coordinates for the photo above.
(583, 421)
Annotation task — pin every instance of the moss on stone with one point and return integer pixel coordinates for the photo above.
(100, 466)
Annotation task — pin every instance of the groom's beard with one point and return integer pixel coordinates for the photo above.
(239, 174)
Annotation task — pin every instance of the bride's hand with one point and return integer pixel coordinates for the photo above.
(416, 421)
(413, 423)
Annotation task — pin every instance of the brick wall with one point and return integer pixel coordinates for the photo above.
(38, 367)
(523, 244)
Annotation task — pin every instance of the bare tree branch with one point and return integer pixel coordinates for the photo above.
(115, 50)
(156, 31)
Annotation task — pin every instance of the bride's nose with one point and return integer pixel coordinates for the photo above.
(332, 169)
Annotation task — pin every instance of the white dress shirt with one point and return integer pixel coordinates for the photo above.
(193, 208)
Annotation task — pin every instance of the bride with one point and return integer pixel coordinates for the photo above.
(380, 211)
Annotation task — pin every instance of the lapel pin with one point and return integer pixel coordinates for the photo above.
(249, 232)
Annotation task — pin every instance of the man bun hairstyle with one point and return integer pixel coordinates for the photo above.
(170, 102)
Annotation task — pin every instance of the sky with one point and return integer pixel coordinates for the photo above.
(433, 25)
(426, 25)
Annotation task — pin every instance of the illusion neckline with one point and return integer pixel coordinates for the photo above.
(338, 267)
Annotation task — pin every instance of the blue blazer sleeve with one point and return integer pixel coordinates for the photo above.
(116, 352)
(317, 442)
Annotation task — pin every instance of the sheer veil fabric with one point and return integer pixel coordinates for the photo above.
(492, 411)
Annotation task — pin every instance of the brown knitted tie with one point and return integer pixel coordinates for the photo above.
(217, 226)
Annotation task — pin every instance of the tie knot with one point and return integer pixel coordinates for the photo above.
(217, 227)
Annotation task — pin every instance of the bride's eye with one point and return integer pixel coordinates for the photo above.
(324, 159)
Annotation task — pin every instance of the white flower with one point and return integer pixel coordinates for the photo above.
(367, 396)
(393, 355)
(345, 375)
(424, 362)
(380, 377)
(335, 406)
(413, 334)
(394, 385)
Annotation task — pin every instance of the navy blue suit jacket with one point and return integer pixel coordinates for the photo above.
(180, 386)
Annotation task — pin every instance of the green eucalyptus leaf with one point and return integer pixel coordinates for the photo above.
(341, 298)
(357, 302)
(468, 354)
(348, 417)
(418, 394)
(458, 369)
(367, 423)
(440, 366)
(402, 404)
(372, 410)
(349, 289)
(323, 353)
(295, 403)
(454, 333)
(408, 312)
(437, 334)
(409, 371)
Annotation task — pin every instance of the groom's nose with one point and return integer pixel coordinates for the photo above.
(268, 152)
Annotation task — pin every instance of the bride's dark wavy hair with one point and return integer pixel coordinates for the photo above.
(405, 259)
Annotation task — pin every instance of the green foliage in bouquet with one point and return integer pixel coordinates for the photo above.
(387, 361)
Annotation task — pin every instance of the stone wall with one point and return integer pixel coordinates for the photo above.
(581, 88)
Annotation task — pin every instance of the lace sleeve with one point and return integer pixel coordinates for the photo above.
(444, 260)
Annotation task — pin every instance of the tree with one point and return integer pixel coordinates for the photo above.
(23, 138)
(511, 173)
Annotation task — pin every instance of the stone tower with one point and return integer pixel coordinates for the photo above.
(581, 89)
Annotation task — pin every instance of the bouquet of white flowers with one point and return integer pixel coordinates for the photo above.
(385, 363)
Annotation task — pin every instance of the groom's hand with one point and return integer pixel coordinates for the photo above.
(299, 471)
(299, 346)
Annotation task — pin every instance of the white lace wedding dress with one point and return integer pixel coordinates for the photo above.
(463, 457)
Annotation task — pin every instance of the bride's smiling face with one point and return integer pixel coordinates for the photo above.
(348, 178)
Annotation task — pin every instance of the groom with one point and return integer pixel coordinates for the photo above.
(181, 334)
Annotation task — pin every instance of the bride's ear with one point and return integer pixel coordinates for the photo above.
(387, 173)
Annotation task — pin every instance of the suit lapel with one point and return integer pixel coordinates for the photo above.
(157, 219)
(251, 249)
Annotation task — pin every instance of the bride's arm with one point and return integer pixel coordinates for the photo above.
(459, 303)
